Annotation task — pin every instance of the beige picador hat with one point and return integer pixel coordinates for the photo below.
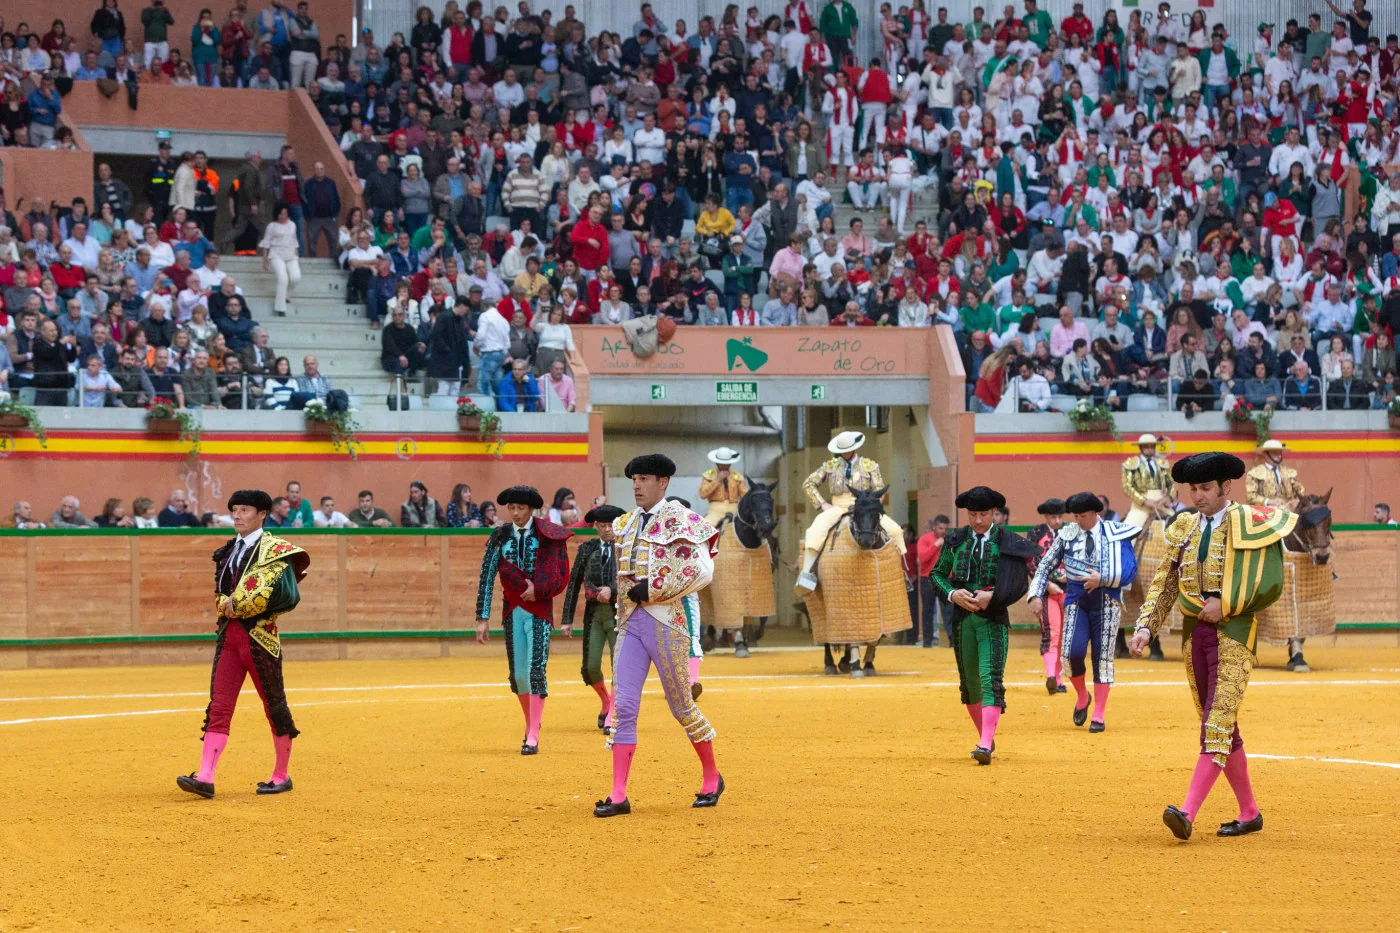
(1271, 445)
(845, 442)
(1146, 439)
(723, 456)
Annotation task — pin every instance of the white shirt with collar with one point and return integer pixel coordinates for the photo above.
(243, 546)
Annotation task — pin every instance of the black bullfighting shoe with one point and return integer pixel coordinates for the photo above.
(529, 749)
(1050, 686)
(602, 720)
(983, 756)
(192, 784)
(1080, 715)
(606, 808)
(709, 800)
(1177, 822)
(695, 691)
(1236, 828)
(1062, 689)
(1097, 727)
(268, 787)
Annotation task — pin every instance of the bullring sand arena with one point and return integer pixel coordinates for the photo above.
(851, 805)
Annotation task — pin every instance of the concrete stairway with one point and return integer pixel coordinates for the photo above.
(319, 323)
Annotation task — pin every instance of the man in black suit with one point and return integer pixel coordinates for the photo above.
(1296, 353)
(1301, 390)
(1348, 393)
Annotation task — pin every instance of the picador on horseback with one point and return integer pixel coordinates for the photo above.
(745, 515)
(852, 580)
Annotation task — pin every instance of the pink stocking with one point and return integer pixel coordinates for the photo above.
(1237, 773)
(214, 743)
(694, 670)
(534, 715)
(622, 766)
(710, 779)
(1100, 700)
(991, 715)
(1201, 782)
(282, 744)
(1081, 695)
(975, 711)
(601, 689)
(1049, 659)
(524, 699)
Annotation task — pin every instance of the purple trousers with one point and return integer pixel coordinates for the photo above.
(647, 642)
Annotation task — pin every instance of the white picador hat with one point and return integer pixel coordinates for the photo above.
(845, 442)
(1271, 444)
(723, 456)
(1145, 439)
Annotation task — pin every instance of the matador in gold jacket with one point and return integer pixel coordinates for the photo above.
(1147, 482)
(1272, 483)
(843, 475)
(1223, 566)
(255, 584)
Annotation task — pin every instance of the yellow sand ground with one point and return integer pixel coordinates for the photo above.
(851, 804)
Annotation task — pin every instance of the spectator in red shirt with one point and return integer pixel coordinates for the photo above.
(931, 607)
(1078, 24)
(590, 240)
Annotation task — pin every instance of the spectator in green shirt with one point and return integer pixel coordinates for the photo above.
(838, 26)
(367, 516)
(1038, 24)
(300, 516)
(156, 19)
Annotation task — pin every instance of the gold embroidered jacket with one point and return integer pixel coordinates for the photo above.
(266, 590)
(1243, 568)
(674, 553)
(732, 491)
(1137, 481)
(1261, 486)
(865, 476)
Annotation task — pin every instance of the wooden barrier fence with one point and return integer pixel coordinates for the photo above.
(123, 596)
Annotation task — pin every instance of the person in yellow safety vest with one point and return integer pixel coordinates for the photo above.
(721, 485)
(844, 475)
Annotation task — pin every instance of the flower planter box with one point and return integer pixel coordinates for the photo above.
(1097, 426)
(318, 427)
(470, 423)
(1244, 428)
(1395, 422)
(16, 422)
(162, 426)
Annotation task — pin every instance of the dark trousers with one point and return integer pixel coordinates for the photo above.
(932, 607)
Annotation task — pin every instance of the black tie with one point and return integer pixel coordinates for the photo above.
(1089, 547)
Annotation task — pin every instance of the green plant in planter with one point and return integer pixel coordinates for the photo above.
(11, 406)
(343, 427)
(191, 431)
(1088, 417)
(1393, 409)
(488, 424)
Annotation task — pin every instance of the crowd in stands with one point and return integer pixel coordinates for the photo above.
(292, 510)
(1146, 207)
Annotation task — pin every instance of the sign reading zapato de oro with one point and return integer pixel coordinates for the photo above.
(736, 393)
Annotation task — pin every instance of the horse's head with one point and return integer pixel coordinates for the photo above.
(1313, 533)
(757, 509)
(865, 519)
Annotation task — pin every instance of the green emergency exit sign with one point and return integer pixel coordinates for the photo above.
(736, 393)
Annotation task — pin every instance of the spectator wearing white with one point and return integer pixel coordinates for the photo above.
(839, 111)
(1331, 315)
(305, 38)
(865, 183)
(86, 249)
(912, 311)
(327, 517)
(508, 91)
(493, 346)
(280, 253)
(649, 142)
(582, 187)
(524, 193)
(95, 384)
(1290, 151)
(900, 174)
(210, 276)
(827, 258)
(1030, 389)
